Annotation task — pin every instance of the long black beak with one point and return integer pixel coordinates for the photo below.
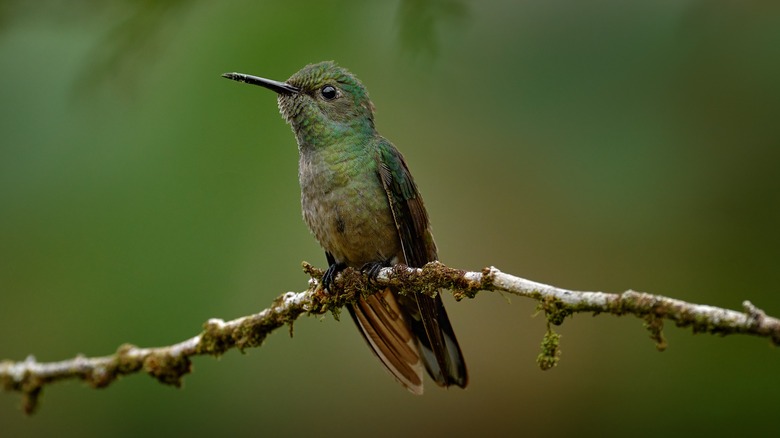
(279, 87)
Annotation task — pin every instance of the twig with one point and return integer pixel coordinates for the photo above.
(170, 363)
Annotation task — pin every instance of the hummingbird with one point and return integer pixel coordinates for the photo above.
(362, 205)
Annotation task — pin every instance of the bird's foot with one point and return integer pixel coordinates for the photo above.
(330, 275)
(372, 269)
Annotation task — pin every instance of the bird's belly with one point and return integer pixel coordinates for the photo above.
(352, 223)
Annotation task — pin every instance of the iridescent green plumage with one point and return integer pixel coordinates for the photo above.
(363, 206)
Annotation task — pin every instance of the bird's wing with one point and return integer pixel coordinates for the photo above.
(429, 320)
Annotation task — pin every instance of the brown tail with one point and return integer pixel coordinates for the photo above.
(401, 329)
(384, 326)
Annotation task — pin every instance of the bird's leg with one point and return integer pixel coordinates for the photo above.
(372, 269)
(330, 275)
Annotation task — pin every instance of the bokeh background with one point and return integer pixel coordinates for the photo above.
(592, 145)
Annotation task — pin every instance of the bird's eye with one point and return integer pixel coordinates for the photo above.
(329, 92)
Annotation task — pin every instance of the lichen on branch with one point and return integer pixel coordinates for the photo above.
(168, 364)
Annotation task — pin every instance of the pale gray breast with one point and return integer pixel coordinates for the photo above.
(345, 206)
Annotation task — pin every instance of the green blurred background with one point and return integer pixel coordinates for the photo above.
(592, 145)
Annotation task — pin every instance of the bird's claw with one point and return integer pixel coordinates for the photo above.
(371, 269)
(329, 277)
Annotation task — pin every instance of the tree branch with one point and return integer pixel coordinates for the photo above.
(170, 363)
